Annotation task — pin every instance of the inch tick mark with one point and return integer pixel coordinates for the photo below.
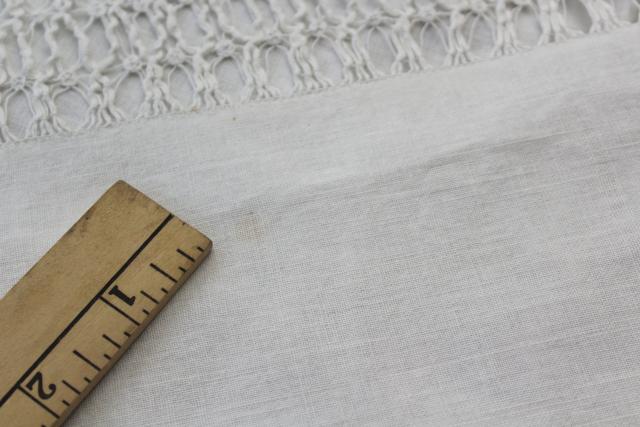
(83, 311)
(186, 255)
(149, 297)
(134, 321)
(164, 273)
(42, 405)
(72, 388)
(106, 337)
(87, 361)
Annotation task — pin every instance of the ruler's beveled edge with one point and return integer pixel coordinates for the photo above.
(16, 303)
(118, 186)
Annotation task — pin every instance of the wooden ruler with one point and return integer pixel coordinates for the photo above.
(71, 317)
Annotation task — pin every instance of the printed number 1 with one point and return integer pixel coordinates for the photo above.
(129, 300)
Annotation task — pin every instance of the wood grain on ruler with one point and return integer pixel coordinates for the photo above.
(70, 318)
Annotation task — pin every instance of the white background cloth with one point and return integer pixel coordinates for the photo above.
(447, 247)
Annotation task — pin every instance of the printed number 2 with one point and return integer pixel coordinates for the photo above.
(37, 379)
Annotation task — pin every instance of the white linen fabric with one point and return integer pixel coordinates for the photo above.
(446, 247)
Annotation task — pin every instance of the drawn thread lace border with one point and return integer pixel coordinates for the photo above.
(90, 49)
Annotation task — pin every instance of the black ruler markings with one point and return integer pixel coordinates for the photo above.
(146, 295)
(164, 273)
(131, 319)
(72, 388)
(42, 405)
(86, 360)
(75, 320)
(106, 337)
(186, 255)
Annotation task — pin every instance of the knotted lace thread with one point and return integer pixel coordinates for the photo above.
(70, 65)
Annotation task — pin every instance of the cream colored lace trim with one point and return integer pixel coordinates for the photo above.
(71, 65)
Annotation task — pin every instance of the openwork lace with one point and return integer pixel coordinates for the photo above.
(70, 65)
